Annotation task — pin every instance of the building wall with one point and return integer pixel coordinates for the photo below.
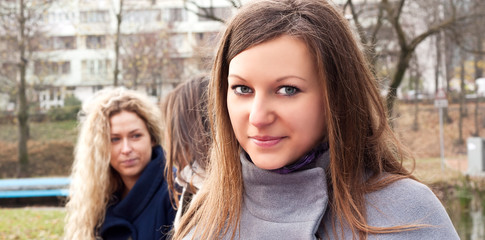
(78, 57)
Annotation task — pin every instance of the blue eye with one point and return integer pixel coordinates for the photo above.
(241, 89)
(114, 139)
(137, 135)
(288, 90)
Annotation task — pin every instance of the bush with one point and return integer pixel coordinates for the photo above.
(72, 105)
(72, 101)
(63, 113)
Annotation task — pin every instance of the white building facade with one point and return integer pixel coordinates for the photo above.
(161, 44)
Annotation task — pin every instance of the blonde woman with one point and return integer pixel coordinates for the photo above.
(302, 148)
(118, 190)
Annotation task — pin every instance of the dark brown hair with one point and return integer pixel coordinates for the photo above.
(186, 133)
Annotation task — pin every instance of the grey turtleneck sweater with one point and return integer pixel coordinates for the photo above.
(295, 206)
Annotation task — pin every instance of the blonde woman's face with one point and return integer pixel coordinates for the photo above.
(131, 146)
(275, 101)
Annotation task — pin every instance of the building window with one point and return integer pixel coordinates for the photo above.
(9, 70)
(97, 88)
(175, 15)
(177, 41)
(95, 42)
(96, 67)
(58, 17)
(66, 67)
(94, 17)
(46, 68)
(58, 43)
(6, 43)
(142, 16)
(64, 43)
(218, 12)
(206, 38)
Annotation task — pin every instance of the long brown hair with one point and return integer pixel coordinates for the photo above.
(187, 137)
(362, 145)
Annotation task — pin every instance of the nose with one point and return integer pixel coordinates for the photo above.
(126, 148)
(261, 113)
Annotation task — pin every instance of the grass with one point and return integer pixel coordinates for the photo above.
(429, 171)
(31, 223)
(45, 131)
(48, 223)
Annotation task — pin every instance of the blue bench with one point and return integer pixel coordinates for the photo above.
(34, 187)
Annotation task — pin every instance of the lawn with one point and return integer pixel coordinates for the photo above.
(45, 131)
(31, 223)
(48, 223)
(429, 171)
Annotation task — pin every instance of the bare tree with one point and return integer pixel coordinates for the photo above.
(461, 114)
(210, 11)
(19, 24)
(146, 56)
(119, 19)
(368, 35)
(415, 81)
(468, 37)
(405, 34)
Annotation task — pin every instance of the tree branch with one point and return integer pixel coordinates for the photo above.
(394, 19)
(355, 16)
(208, 12)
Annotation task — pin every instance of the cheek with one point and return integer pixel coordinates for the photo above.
(310, 120)
(232, 112)
(236, 118)
(113, 154)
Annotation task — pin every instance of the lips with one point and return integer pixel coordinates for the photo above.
(129, 162)
(266, 141)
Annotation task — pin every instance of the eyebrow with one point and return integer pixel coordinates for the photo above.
(130, 132)
(277, 80)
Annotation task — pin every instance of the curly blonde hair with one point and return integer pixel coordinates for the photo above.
(93, 180)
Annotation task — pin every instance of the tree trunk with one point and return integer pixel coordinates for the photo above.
(402, 65)
(23, 113)
(116, 71)
(478, 74)
(477, 101)
(460, 139)
(135, 79)
(449, 73)
(416, 77)
(416, 103)
(438, 63)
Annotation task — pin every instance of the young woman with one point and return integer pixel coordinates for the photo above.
(302, 148)
(186, 140)
(118, 190)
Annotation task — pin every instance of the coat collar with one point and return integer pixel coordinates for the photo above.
(298, 198)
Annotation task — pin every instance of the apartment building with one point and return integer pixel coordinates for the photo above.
(162, 43)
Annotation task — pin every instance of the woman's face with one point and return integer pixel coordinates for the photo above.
(131, 146)
(275, 102)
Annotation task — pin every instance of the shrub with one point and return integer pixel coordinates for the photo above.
(72, 105)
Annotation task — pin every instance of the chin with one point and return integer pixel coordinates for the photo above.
(267, 166)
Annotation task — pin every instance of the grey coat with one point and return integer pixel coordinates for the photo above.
(295, 206)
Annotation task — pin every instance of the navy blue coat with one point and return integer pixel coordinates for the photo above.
(146, 212)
